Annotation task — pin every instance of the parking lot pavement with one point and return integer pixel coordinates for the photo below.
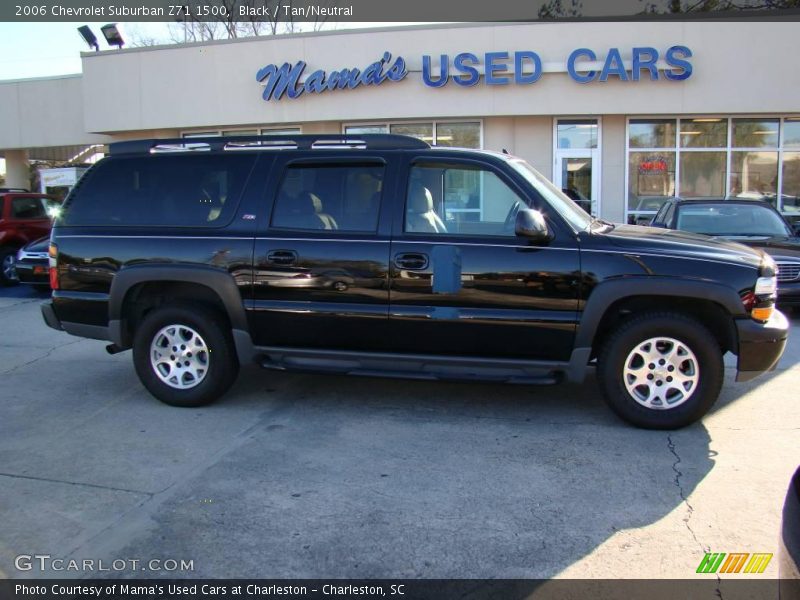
(297, 475)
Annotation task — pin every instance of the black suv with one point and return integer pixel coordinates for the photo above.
(379, 255)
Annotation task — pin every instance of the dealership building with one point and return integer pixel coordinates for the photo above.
(621, 114)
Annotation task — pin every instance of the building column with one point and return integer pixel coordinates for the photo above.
(17, 171)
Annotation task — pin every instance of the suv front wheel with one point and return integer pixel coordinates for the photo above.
(183, 356)
(8, 271)
(661, 370)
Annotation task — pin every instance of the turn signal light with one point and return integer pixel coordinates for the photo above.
(762, 314)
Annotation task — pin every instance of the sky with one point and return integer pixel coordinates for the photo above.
(49, 49)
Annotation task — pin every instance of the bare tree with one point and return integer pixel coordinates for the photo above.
(695, 6)
(137, 38)
(556, 9)
(226, 19)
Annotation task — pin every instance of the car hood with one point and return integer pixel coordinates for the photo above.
(40, 245)
(777, 247)
(655, 240)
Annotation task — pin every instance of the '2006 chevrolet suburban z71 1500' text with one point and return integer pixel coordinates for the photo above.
(380, 255)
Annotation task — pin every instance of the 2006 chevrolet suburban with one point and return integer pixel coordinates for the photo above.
(379, 255)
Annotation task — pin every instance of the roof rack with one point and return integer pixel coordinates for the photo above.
(369, 141)
(13, 189)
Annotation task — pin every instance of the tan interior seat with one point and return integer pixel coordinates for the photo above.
(420, 216)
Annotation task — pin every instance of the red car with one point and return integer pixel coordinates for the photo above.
(24, 217)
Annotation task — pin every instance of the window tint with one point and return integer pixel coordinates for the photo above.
(341, 197)
(167, 191)
(731, 219)
(29, 208)
(460, 200)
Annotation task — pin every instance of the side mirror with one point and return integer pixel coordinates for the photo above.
(531, 224)
(796, 228)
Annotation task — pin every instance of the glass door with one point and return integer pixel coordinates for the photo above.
(577, 162)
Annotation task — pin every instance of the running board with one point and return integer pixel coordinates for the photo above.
(413, 366)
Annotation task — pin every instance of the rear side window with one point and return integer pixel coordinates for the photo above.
(165, 191)
(29, 208)
(335, 197)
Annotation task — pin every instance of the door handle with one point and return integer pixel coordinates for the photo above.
(411, 261)
(282, 257)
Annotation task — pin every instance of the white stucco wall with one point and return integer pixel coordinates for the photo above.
(738, 68)
(43, 112)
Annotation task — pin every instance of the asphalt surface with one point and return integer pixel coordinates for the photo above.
(297, 475)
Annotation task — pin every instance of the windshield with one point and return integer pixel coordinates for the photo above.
(569, 211)
(731, 220)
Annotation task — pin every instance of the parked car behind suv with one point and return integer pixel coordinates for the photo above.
(32, 264)
(203, 259)
(751, 222)
(24, 217)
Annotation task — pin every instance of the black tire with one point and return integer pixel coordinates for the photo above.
(5, 253)
(222, 362)
(636, 331)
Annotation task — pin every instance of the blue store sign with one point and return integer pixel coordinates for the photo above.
(290, 80)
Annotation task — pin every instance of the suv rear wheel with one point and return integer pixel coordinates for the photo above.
(661, 370)
(183, 356)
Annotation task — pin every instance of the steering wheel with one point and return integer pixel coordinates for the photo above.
(511, 218)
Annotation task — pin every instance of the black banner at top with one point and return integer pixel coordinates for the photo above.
(387, 11)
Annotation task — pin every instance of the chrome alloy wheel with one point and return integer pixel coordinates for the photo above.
(179, 356)
(661, 373)
(9, 268)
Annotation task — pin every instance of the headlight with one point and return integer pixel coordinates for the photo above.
(766, 286)
(765, 291)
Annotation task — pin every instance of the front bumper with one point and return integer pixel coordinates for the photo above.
(761, 345)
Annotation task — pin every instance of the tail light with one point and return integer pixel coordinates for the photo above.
(52, 253)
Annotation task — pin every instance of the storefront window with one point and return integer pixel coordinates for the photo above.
(576, 134)
(422, 131)
(754, 175)
(791, 133)
(241, 132)
(704, 133)
(651, 180)
(791, 184)
(755, 133)
(719, 157)
(360, 129)
(437, 133)
(702, 174)
(652, 133)
(461, 135)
